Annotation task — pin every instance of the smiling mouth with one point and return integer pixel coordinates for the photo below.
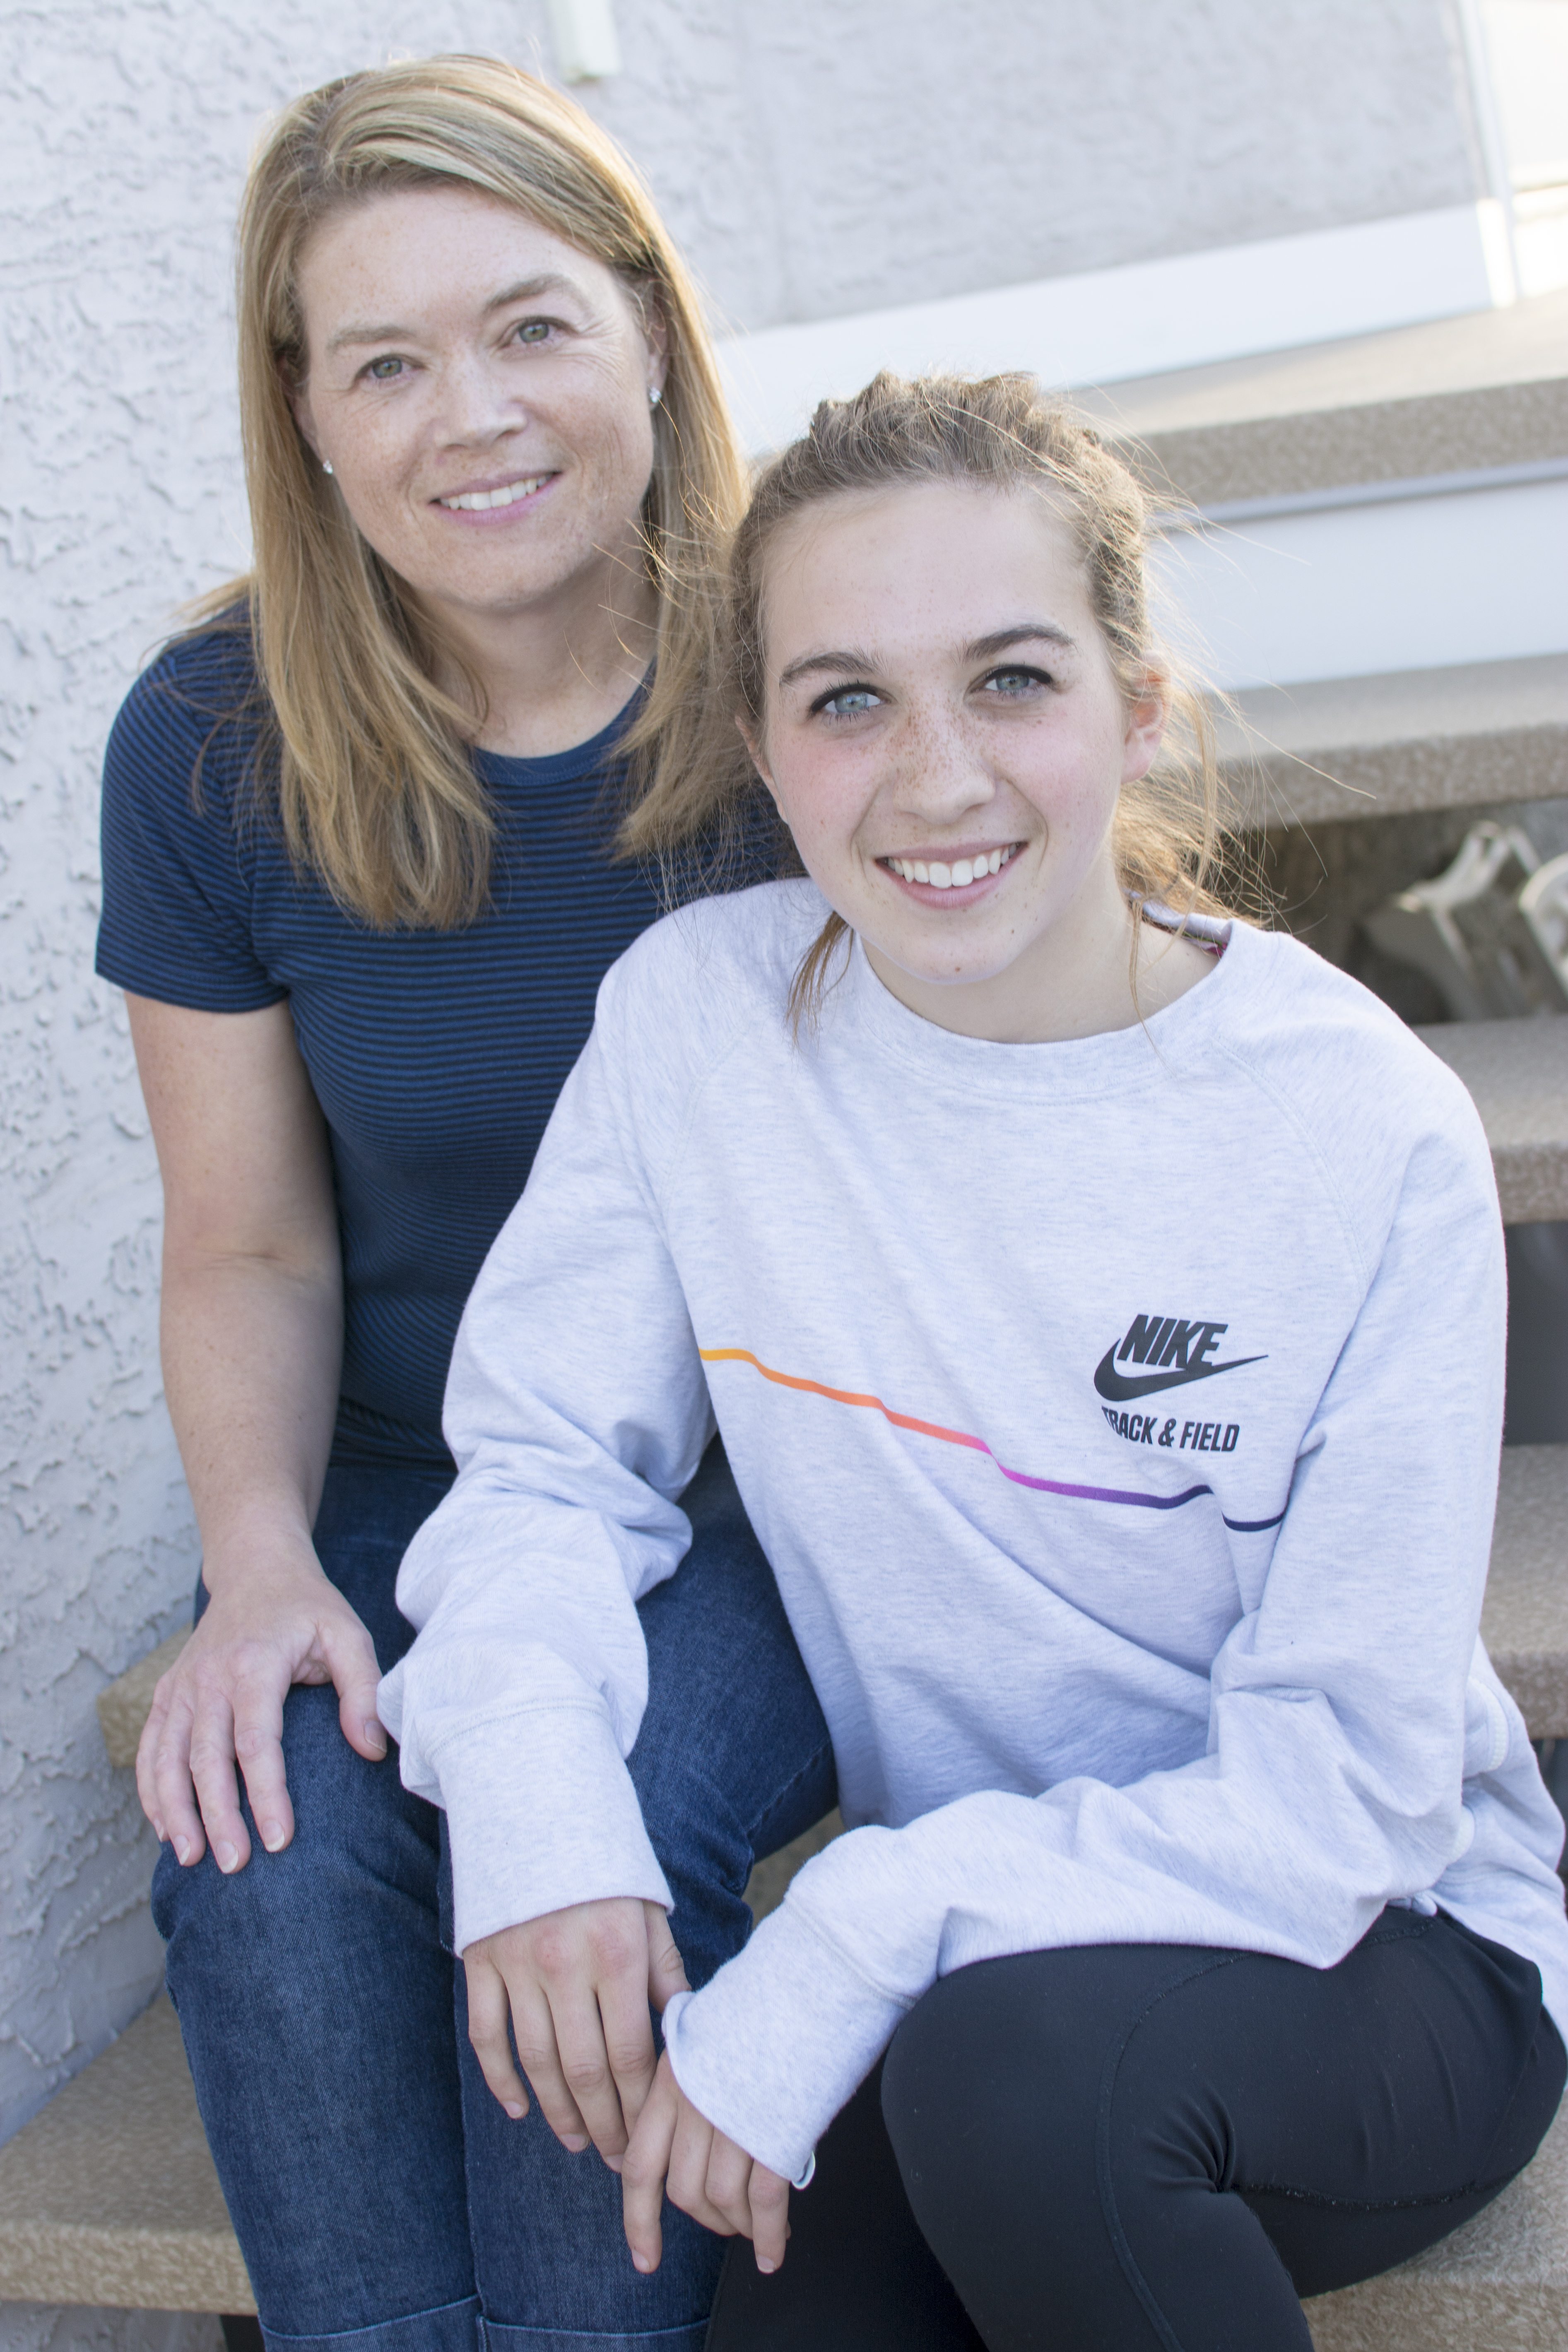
(476, 501)
(939, 874)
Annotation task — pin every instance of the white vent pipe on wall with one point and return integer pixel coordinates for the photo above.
(586, 46)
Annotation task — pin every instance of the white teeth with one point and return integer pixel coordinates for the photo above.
(956, 877)
(476, 501)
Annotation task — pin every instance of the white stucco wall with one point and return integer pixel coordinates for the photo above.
(815, 158)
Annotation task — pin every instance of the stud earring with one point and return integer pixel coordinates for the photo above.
(654, 395)
(326, 465)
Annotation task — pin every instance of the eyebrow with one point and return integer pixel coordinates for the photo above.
(526, 289)
(846, 661)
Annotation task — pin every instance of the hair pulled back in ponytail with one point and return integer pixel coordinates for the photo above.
(1002, 433)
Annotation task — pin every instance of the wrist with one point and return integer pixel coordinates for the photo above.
(256, 1539)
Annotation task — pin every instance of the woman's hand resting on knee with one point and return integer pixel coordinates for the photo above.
(221, 1703)
(676, 2148)
(576, 1986)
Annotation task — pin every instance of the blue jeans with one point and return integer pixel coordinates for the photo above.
(382, 2200)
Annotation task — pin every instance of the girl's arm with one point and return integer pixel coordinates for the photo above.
(1360, 1747)
(252, 1334)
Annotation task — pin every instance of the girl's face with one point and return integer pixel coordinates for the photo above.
(481, 391)
(945, 739)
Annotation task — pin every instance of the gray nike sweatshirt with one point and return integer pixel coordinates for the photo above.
(1121, 1420)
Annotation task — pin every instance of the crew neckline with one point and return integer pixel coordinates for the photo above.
(560, 767)
(1110, 1060)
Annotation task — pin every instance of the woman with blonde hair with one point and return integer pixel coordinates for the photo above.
(1056, 1251)
(373, 831)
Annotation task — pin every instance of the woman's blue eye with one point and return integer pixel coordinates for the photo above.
(533, 331)
(384, 370)
(1013, 681)
(848, 702)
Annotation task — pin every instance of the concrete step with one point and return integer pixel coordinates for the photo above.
(1524, 1621)
(1499, 2285)
(124, 1705)
(1484, 392)
(1367, 507)
(109, 2195)
(1482, 734)
(1517, 1072)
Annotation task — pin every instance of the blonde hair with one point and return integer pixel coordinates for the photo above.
(374, 779)
(1002, 433)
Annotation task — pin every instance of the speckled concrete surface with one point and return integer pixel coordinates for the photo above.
(1499, 2285)
(1447, 397)
(1343, 748)
(1525, 1620)
(110, 2195)
(1517, 1073)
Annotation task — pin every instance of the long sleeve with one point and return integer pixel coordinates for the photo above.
(1344, 1715)
(576, 1411)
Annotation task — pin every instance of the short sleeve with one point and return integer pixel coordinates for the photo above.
(177, 892)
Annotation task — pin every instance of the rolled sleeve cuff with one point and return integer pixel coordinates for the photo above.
(540, 1814)
(785, 2033)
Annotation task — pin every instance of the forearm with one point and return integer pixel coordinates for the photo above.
(252, 1350)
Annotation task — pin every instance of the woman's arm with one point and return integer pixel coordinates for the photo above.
(252, 1336)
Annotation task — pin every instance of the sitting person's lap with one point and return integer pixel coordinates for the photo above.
(1151, 2145)
(370, 2174)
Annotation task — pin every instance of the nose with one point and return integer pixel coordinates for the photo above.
(940, 775)
(476, 404)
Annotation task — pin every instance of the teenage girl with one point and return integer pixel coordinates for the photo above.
(1101, 1303)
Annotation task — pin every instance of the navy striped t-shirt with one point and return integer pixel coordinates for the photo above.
(437, 1056)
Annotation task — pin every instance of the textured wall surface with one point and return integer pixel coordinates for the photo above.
(815, 158)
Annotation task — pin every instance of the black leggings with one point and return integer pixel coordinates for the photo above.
(1135, 2147)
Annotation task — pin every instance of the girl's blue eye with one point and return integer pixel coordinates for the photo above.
(848, 702)
(1013, 681)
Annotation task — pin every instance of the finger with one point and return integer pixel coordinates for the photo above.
(147, 1748)
(259, 1748)
(628, 2037)
(770, 2217)
(727, 2184)
(217, 1789)
(488, 2011)
(686, 2184)
(351, 1660)
(666, 1969)
(175, 1795)
(586, 2066)
(643, 2170)
(533, 2030)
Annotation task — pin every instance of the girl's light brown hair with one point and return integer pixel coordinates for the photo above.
(376, 785)
(1001, 433)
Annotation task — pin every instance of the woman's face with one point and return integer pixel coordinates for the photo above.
(481, 389)
(946, 740)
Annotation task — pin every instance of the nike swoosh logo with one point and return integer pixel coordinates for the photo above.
(1117, 1388)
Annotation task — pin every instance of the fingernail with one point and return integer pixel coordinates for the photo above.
(227, 1856)
(766, 2268)
(641, 2262)
(613, 2162)
(272, 1835)
(514, 2110)
(376, 1736)
(574, 2144)
(182, 1848)
(158, 1828)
